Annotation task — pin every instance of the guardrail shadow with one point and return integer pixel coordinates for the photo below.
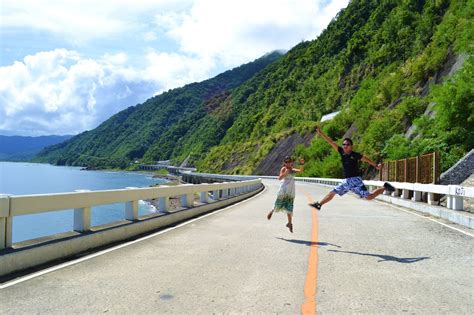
(406, 260)
(308, 243)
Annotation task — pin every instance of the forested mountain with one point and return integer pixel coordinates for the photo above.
(381, 63)
(18, 148)
(386, 65)
(150, 131)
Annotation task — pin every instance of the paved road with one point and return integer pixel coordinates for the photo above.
(352, 257)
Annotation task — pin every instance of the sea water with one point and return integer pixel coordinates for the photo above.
(34, 178)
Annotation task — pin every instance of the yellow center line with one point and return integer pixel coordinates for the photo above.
(310, 286)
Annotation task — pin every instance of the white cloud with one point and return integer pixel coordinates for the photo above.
(60, 92)
(174, 70)
(81, 20)
(241, 30)
(150, 36)
(65, 91)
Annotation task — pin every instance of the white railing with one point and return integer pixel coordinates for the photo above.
(454, 193)
(82, 202)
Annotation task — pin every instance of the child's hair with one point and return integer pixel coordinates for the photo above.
(288, 159)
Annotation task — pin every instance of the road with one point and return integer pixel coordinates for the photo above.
(354, 256)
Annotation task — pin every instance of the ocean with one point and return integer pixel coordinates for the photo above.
(34, 178)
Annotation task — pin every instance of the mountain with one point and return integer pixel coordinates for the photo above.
(18, 148)
(386, 66)
(150, 131)
(399, 72)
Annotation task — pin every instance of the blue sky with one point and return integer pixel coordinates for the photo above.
(66, 66)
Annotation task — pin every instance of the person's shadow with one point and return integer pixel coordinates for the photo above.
(407, 260)
(308, 243)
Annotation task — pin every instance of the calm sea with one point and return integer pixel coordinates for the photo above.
(32, 178)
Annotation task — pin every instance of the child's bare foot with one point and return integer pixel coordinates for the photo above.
(290, 227)
(269, 215)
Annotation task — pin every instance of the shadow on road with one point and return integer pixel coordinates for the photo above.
(308, 243)
(384, 257)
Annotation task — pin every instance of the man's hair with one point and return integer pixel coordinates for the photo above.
(288, 159)
(348, 140)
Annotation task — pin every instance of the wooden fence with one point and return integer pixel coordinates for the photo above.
(423, 169)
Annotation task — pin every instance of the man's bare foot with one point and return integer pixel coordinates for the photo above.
(290, 227)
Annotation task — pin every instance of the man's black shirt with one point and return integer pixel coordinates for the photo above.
(350, 163)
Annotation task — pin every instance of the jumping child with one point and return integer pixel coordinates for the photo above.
(286, 192)
(352, 179)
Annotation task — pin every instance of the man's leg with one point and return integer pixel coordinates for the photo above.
(326, 199)
(380, 190)
(375, 193)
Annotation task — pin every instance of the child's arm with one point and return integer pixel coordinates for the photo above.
(325, 137)
(301, 169)
(283, 173)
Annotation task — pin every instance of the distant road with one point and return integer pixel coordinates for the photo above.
(352, 257)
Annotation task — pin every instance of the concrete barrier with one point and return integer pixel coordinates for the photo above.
(40, 251)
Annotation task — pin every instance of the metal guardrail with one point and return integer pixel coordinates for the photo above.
(82, 202)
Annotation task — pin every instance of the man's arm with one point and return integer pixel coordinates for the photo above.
(367, 160)
(325, 137)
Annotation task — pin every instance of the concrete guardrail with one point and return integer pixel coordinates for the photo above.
(412, 191)
(194, 200)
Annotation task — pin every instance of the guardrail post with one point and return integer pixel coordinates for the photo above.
(225, 193)
(215, 194)
(9, 232)
(455, 197)
(457, 203)
(131, 210)
(416, 196)
(82, 216)
(164, 204)
(187, 200)
(405, 194)
(82, 219)
(203, 197)
(5, 223)
(431, 198)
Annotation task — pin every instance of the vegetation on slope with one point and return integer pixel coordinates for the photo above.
(381, 63)
(150, 131)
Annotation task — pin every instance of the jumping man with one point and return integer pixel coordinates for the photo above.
(352, 179)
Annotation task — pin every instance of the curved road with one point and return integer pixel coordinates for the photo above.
(353, 256)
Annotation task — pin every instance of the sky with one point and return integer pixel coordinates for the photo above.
(67, 66)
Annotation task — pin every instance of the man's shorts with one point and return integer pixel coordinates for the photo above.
(353, 184)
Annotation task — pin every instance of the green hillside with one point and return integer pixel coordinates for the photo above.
(381, 63)
(149, 131)
(386, 65)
